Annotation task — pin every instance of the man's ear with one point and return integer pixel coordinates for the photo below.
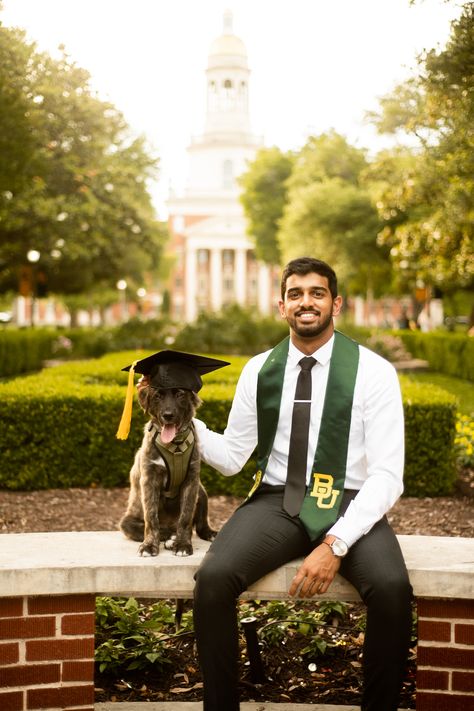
(337, 305)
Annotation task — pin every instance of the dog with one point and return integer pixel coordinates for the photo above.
(167, 498)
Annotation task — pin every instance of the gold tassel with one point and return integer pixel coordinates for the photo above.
(124, 426)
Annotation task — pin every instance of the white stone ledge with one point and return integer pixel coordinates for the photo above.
(106, 563)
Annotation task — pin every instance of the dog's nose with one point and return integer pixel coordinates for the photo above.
(167, 415)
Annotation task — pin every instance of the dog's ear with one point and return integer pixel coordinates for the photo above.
(195, 400)
(144, 397)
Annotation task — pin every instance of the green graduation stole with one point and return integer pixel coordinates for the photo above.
(321, 504)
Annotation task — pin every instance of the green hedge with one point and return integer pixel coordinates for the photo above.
(448, 353)
(58, 429)
(24, 350)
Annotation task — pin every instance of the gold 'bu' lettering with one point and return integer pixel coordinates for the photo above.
(322, 490)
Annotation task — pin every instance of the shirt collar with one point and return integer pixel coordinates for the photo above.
(322, 355)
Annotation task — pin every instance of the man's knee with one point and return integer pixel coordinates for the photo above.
(216, 581)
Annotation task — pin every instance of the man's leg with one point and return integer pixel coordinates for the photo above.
(375, 566)
(258, 538)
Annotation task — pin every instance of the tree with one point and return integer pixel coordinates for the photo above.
(263, 198)
(330, 214)
(82, 202)
(432, 237)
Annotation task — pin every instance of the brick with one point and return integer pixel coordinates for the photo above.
(78, 671)
(78, 624)
(448, 657)
(463, 681)
(48, 650)
(11, 701)
(61, 603)
(431, 679)
(27, 627)
(464, 634)
(64, 697)
(27, 675)
(443, 702)
(11, 607)
(9, 653)
(448, 609)
(434, 631)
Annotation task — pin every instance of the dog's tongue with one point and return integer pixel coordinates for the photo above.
(168, 433)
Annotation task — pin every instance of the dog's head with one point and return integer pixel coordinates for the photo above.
(171, 409)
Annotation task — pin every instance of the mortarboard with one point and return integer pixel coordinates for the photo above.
(167, 369)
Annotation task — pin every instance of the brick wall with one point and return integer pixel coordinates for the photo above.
(47, 652)
(445, 672)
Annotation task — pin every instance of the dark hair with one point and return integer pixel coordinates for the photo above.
(306, 265)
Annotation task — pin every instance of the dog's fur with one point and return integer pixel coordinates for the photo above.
(151, 516)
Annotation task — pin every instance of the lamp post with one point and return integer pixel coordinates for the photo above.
(33, 257)
(122, 287)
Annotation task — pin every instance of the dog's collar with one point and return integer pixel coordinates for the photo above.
(181, 441)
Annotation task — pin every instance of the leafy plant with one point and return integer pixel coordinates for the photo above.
(464, 441)
(131, 635)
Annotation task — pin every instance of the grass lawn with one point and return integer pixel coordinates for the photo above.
(462, 389)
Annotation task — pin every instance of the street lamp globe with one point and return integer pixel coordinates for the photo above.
(33, 256)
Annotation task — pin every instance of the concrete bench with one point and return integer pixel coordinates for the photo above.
(49, 582)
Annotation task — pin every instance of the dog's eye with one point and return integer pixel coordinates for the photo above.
(180, 393)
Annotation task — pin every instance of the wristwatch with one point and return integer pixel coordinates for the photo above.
(338, 547)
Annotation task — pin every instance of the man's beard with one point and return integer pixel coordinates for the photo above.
(311, 330)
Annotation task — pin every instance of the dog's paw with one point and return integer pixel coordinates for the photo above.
(207, 534)
(151, 549)
(169, 543)
(182, 548)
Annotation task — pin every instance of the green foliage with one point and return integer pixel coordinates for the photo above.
(263, 197)
(24, 350)
(59, 429)
(329, 212)
(131, 635)
(449, 353)
(430, 422)
(74, 182)
(425, 196)
(464, 441)
(233, 330)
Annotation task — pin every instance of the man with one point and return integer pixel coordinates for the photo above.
(350, 448)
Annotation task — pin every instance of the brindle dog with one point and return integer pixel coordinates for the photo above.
(156, 508)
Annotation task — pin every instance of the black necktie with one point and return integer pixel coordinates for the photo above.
(297, 456)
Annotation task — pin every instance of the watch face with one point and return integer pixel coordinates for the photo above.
(339, 547)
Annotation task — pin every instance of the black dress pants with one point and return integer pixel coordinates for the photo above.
(260, 537)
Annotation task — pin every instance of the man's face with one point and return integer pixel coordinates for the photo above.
(308, 305)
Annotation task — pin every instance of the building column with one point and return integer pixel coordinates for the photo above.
(190, 291)
(240, 276)
(264, 289)
(216, 279)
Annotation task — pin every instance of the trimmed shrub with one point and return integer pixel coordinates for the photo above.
(430, 428)
(449, 353)
(59, 429)
(24, 350)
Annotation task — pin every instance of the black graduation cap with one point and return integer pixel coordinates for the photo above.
(167, 369)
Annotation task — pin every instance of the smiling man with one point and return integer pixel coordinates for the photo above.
(326, 417)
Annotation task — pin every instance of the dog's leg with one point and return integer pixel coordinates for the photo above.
(153, 473)
(132, 523)
(201, 519)
(181, 545)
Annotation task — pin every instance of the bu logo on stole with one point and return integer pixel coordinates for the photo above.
(322, 490)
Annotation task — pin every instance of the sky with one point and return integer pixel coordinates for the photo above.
(316, 64)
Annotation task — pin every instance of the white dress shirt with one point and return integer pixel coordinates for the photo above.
(376, 440)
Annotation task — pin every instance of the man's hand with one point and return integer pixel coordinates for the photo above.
(316, 573)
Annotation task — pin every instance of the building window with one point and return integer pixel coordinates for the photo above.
(202, 256)
(228, 256)
(227, 84)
